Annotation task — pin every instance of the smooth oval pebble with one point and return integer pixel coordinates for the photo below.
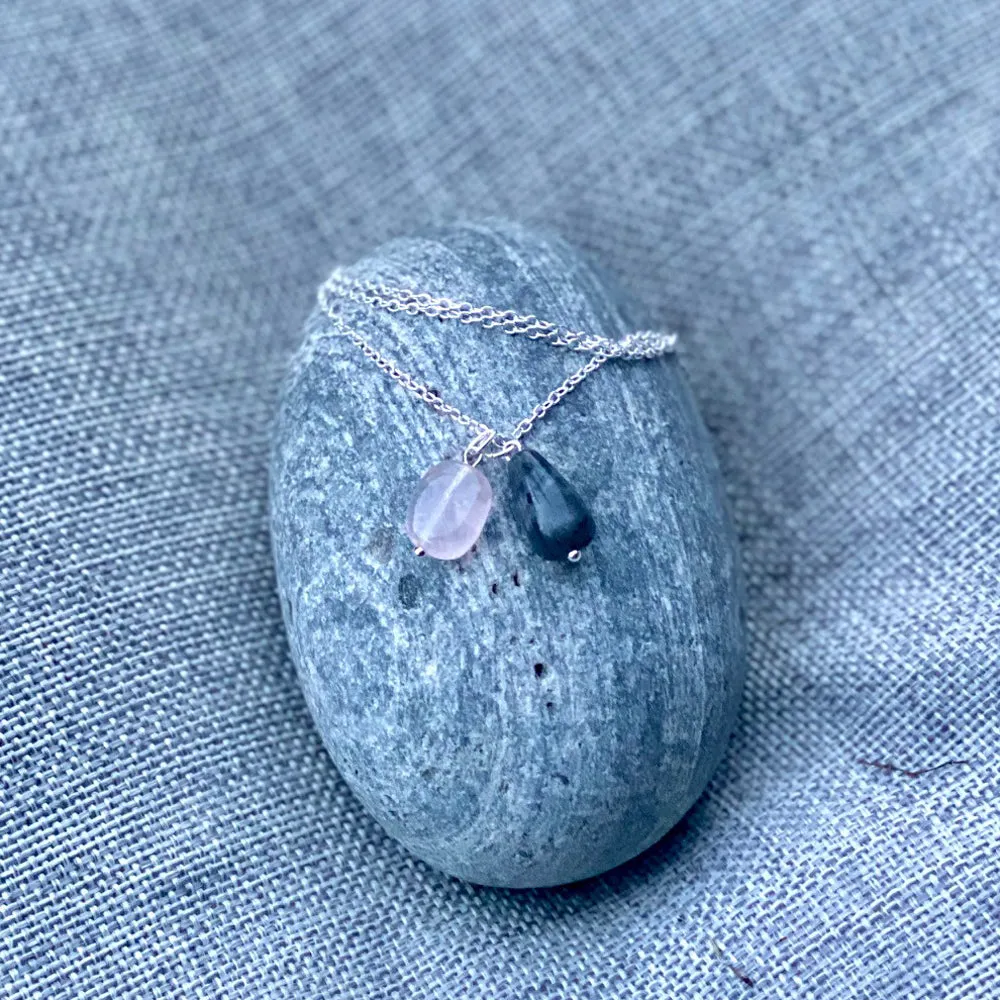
(510, 720)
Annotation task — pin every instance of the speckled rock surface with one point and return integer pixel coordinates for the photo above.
(511, 721)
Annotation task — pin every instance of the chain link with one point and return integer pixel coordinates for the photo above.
(487, 443)
(641, 345)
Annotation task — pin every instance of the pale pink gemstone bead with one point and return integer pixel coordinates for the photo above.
(449, 509)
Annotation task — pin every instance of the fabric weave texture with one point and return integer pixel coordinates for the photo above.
(807, 190)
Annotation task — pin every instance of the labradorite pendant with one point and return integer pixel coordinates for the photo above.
(557, 522)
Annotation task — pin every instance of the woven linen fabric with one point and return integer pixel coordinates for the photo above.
(808, 191)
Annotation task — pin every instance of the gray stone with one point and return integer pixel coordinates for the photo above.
(511, 721)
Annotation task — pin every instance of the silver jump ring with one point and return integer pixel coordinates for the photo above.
(475, 450)
(506, 450)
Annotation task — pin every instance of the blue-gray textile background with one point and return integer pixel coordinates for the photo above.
(809, 191)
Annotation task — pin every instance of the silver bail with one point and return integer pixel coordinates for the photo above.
(475, 449)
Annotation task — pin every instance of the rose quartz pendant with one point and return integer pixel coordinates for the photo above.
(449, 509)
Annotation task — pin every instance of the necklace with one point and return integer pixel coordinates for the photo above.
(454, 497)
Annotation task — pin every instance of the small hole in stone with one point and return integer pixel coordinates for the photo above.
(408, 590)
(517, 578)
(494, 587)
(550, 706)
(539, 670)
(527, 499)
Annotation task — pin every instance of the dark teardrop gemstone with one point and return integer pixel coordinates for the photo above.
(555, 519)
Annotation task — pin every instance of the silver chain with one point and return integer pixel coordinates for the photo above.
(640, 346)
(487, 443)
